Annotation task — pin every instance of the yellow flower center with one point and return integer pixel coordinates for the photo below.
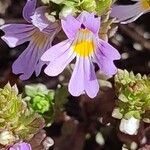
(84, 44)
(39, 39)
(145, 4)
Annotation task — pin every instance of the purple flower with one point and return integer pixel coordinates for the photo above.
(39, 31)
(84, 44)
(21, 146)
(129, 13)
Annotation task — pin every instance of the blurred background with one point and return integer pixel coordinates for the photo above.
(132, 41)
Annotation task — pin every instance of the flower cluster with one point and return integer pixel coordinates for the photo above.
(133, 103)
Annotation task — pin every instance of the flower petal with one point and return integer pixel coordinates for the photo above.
(127, 13)
(41, 63)
(106, 66)
(91, 83)
(90, 20)
(38, 67)
(25, 64)
(70, 26)
(83, 79)
(39, 19)
(58, 65)
(52, 26)
(21, 146)
(107, 50)
(29, 9)
(29, 61)
(16, 34)
(56, 51)
(104, 57)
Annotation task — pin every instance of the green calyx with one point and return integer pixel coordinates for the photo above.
(133, 92)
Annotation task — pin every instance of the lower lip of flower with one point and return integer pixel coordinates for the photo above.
(84, 44)
(145, 4)
(39, 39)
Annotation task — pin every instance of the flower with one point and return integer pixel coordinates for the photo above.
(84, 44)
(39, 31)
(129, 13)
(21, 146)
